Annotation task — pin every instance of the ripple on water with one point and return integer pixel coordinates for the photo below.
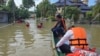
(19, 36)
(1, 53)
(18, 33)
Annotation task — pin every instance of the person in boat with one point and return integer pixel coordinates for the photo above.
(74, 39)
(60, 28)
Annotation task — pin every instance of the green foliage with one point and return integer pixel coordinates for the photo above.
(51, 17)
(96, 9)
(38, 12)
(28, 3)
(89, 15)
(11, 8)
(4, 8)
(69, 11)
(20, 13)
(11, 5)
(23, 13)
(45, 9)
(14, 11)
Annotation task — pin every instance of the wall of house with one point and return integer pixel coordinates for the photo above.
(3, 18)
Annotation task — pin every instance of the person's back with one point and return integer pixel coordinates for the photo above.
(75, 37)
(79, 40)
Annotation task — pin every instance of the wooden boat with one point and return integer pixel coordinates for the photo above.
(54, 41)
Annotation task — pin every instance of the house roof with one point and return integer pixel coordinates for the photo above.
(84, 7)
(68, 2)
(79, 3)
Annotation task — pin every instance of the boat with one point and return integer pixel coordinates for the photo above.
(56, 53)
(81, 52)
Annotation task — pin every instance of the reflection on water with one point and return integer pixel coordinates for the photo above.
(13, 39)
(17, 40)
(93, 33)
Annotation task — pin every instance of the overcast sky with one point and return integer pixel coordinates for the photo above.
(19, 2)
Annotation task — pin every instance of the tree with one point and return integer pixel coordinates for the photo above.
(44, 6)
(89, 15)
(23, 13)
(28, 3)
(45, 9)
(96, 10)
(12, 8)
(4, 8)
(72, 11)
(38, 12)
(11, 5)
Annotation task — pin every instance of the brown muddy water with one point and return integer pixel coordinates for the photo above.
(18, 40)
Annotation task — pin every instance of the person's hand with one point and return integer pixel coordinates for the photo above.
(52, 29)
(55, 48)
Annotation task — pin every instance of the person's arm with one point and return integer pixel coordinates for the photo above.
(55, 24)
(66, 37)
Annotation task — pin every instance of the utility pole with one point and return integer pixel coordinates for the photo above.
(13, 15)
(64, 7)
(13, 12)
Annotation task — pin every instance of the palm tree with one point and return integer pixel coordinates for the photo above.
(96, 9)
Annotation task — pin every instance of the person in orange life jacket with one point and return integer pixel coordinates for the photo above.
(60, 28)
(74, 39)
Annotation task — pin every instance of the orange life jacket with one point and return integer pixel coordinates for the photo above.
(79, 40)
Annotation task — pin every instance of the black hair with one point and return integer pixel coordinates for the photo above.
(71, 26)
(58, 16)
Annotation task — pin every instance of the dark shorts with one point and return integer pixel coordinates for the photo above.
(65, 49)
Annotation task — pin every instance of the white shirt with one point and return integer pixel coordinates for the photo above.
(65, 39)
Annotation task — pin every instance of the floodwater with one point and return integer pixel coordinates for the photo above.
(19, 40)
(93, 33)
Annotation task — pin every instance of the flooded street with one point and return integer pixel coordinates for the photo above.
(19, 40)
(93, 32)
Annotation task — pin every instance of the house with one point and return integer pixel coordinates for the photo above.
(2, 2)
(81, 4)
(3, 17)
